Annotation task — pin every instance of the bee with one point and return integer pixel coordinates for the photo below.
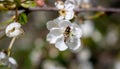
(67, 33)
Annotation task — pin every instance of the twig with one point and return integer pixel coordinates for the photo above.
(16, 14)
(77, 9)
(10, 46)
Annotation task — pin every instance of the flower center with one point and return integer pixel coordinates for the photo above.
(12, 30)
(62, 12)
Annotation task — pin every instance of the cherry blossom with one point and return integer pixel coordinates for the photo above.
(14, 30)
(66, 10)
(7, 61)
(64, 34)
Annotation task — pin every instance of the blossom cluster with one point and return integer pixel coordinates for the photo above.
(7, 61)
(64, 33)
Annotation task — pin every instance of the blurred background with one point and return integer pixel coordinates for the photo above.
(100, 47)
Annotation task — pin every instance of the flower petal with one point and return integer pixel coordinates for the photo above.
(64, 23)
(56, 20)
(69, 15)
(54, 35)
(11, 26)
(71, 1)
(73, 43)
(60, 44)
(59, 4)
(52, 24)
(69, 6)
(86, 1)
(61, 17)
(12, 63)
(2, 55)
(76, 30)
(15, 33)
(3, 58)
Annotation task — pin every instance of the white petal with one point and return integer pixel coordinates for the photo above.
(64, 23)
(70, 1)
(52, 24)
(59, 5)
(12, 63)
(69, 6)
(73, 43)
(2, 55)
(76, 30)
(86, 1)
(56, 20)
(60, 44)
(15, 33)
(69, 15)
(11, 26)
(61, 17)
(3, 58)
(54, 35)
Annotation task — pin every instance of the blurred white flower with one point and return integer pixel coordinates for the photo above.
(66, 10)
(3, 58)
(14, 30)
(64, 35)
(86, 65)
(117, 64)
(86, 1)
(7, 61)
(36, 56)
(12, 63)
(97, 36)
(52, 65)
(84, 55)
(87, 28)
(112, 36)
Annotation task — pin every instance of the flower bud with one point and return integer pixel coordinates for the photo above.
(14, 30)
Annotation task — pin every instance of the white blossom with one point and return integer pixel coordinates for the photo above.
(87, 28)
(64, 34)
(59, 4)
(14, 30)
(7, 61)
(3, 58)
(12, 63)
(66, 10)
(47, 64)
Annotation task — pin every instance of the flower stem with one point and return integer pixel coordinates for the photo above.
(16, 14)
(10, 46)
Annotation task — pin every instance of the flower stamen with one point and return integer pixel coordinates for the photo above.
(62, 12)
(12, 30)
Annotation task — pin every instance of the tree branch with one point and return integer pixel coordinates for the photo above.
(77, 9)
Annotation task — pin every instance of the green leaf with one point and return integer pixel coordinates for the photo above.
(28, 4)
(23, 18)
